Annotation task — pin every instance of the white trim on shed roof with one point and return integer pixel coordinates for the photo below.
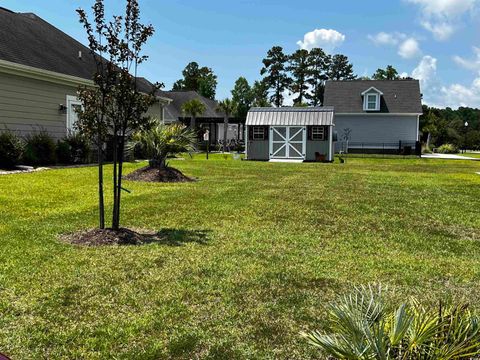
(290, 116)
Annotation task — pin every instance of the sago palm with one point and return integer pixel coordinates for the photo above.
(162, 141)
(361, 328)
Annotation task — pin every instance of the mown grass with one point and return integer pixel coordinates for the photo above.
(252, 252)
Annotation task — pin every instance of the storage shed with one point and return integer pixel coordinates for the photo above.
(290, 134)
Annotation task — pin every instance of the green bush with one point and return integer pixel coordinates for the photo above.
(447, 149)
(40, 149)
(11, 149)
(361, 327)
(73, 149)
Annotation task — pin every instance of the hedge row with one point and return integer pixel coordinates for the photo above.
(39, 148)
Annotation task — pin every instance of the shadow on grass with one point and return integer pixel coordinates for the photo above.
(179, 237)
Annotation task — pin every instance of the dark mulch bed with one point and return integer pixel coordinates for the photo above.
(99, 237)
(106, 237)
(150, 174)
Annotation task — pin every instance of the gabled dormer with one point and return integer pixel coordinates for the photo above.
(371, 99)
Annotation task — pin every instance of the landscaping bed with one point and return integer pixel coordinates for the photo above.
(152, 174)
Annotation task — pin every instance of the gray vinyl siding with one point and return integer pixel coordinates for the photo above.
(377, 129)
(29, 104)
(258, 150)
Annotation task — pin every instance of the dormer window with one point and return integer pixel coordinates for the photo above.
(371, 99)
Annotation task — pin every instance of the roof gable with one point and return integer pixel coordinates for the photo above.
(372, 89)
(398, 96)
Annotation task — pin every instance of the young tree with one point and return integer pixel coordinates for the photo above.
(340, 68)
(242, 95)
(260, 94)
(196, 78)
(274, 67)
(116, 106)
(389, 73)
(194, 108)
(319, 66)
(227, 107)
(301, 69)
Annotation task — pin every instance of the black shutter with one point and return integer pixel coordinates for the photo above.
(326, 133)
(309, 132)
(266, 131)
(250, 133)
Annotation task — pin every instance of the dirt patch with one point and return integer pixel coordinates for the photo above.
(150, 174)
(110, 237)
(100, 237)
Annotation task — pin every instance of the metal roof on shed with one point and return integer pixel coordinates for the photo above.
(291, 116)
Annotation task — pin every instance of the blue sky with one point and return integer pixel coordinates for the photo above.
(433, 40)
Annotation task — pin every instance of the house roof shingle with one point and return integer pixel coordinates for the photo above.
(173, 111)
(399, 96)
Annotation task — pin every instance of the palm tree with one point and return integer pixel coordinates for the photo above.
(227, 107)
(194, 108)
(162, 141)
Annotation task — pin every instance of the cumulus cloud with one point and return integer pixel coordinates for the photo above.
(441, 16)
(327, 39)
(409, 49)
(383, 38)
(469, 64)
(441, 95)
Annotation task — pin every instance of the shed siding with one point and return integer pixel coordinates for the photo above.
(258, 150)
(29, 104)
(316, 146)
(377, 129)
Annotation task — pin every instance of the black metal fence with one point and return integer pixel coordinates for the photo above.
(372, 149)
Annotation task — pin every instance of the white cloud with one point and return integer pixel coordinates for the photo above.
(409, 49)
(327, 39)
(440, 17)
(383, 38)
(438, 95)
(426, 72)
(440, 30)
(473, 65)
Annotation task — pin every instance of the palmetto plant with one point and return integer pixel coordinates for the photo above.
(161, 141)
(361, 328)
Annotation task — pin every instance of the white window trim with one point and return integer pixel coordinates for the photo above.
(71, 100)
(320, 132)
(366, 102)
(259, 135)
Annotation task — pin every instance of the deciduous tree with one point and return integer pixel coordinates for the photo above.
(196, 78)
(242, 96)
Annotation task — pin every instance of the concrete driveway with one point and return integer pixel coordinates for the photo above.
(448, 157)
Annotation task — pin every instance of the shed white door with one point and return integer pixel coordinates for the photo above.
(288, 142)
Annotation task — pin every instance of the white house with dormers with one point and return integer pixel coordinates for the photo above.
(376, 114)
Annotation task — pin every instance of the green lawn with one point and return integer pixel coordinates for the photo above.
(251, 254)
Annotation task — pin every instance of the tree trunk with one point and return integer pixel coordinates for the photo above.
(101, 204)
(158, 163)
(193, 123)
(121, 148)
(115, 186)
(428, 140)
(225, 133)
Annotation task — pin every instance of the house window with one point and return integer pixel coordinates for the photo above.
(372, 102)
(258, 133)
(73, 107)
(318, 133)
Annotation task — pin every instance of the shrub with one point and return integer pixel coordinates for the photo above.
(447, 149)
(11, 149)
(361, 327)
(39, 149)
(73, 149)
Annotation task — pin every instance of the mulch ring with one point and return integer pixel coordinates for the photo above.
(149, 174)
(101, 237)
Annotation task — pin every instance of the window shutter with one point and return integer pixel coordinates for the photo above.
(309, 132)
(326, 134)
(250, 133)
(266, 131)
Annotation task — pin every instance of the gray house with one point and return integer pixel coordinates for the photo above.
(377, 114)
(41, 69)
(290, 134)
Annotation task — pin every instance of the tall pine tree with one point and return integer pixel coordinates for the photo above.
(300, 68)
(276, 75)
(319, 66)
(340, 68)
